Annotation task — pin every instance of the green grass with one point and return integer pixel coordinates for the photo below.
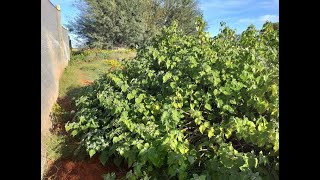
(83, 68)
(75, 73)
(61, 146)
(69, 80)
(121, 54)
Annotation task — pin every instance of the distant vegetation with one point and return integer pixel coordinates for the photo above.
(128, 23)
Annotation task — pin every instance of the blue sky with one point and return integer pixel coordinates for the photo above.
(238, 14)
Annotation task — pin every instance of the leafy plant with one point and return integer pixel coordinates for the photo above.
(109, 176)
(189, 107)
(57, 114)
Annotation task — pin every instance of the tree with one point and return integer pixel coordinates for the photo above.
(275, 26)
(109, 23)
(182, 11)
(127, 23)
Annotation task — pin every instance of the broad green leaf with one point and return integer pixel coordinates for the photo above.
(166, 77)
(92, 152)
(104, 157)
(130, 96)
(67, 127)
(208, 106)
(74, 133)
(228, 108)
(191, 159)
(168, 63)
(228, 133)
(210, 132)
(206, 124)
(215, 92)
(197, 121)
(181, 149)
(173, 85)
(139, 99)
(117, 161)
(202, 128)
(191, 105)
(124, 88)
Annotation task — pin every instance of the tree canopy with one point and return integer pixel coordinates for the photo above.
(127, 23)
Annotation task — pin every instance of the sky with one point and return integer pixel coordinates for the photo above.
(238, 14)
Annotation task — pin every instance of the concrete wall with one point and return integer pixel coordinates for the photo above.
(55, 55)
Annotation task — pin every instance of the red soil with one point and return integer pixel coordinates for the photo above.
(90, 169)
(86, 82)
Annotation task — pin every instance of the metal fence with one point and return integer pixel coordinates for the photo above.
(55, 55)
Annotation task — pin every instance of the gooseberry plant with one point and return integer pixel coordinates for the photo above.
(189, 107)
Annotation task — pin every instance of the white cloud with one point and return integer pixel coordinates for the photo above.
(261, 19)
(271, 18)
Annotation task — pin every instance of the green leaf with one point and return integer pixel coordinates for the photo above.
(68, 127)
(202, 128)
(191, 105)
(154, 157)
(181, 149)
(160, 59)
(166, 77)
(92, 152)
(168, 63)
(115, 139)
(117, 161)
(208, 106)
(219, 103)
(197, 121)
(276, 146)
(253, 162)
(215, 92)
(130, 96)
(104, 157)
(228, 108)
(206, 124)
(164, 116)
(173, 85)
(109, 176)
(191, 159)
(228, 133)
(74, 133)
(139, 99)
(207, 68)
(124, 88)
(210, 132)
(175, 78)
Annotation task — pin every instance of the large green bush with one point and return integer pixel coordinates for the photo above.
(189, 107)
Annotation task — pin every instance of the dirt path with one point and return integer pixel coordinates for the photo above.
(84, 80)
(91, 169)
